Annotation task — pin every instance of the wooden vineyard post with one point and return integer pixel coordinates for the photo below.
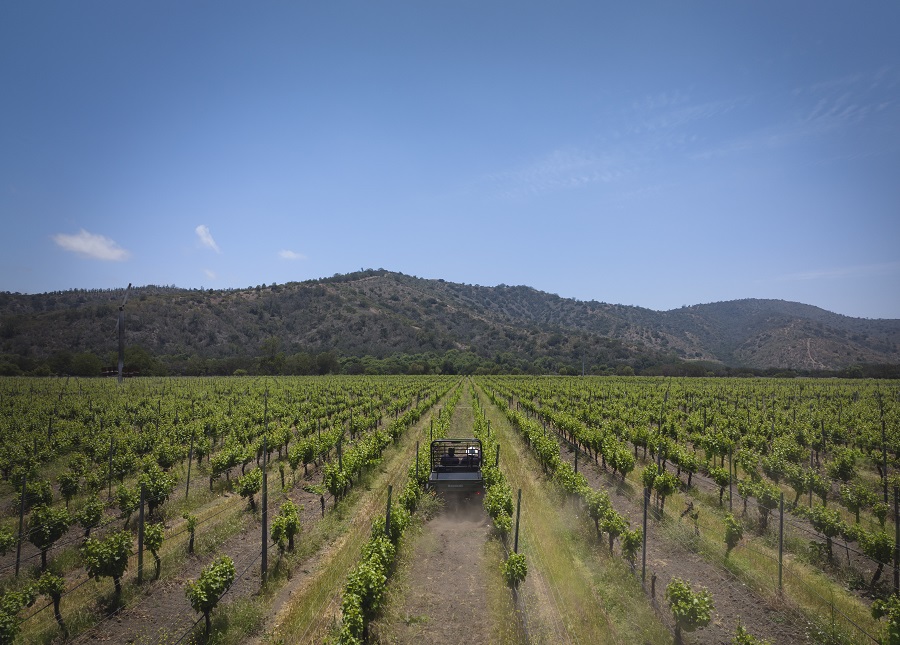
(21, 523)
(518, 511)
(644, 539)
(730, 479)
(811, 468)
(896, 540)
(781, 544)
(417, 463)
(576, 458)
(111, 447)
(140, 548)
(265, 512)
(884, 478)
(497, 457)
(187, 487)
(387, 515)
(431, 430)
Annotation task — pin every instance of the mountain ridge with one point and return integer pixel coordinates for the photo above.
(380, 313)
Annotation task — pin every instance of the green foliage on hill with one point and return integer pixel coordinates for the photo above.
(379, 322)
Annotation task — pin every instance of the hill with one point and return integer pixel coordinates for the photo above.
(362, 318)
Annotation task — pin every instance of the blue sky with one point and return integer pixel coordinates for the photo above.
(645, 153)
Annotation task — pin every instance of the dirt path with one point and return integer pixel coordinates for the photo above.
(816, 364)
(444, 592)
(441, 593)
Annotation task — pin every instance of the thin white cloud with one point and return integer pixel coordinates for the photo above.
(836, 83)
(284, 254)
(663, 123)
(206, 238)
(560, 170)
(210, 274)
(863, 270)
(90, 245)
(680, 114)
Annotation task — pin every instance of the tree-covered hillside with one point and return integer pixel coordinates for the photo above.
(380, 321)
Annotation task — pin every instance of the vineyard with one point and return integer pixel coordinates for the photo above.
(294, 509)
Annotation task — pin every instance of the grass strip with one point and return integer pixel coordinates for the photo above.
(597, 597)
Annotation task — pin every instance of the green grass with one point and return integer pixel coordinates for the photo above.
(597, 597)
(808, 590)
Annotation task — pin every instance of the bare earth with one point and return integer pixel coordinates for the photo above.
(444, 593)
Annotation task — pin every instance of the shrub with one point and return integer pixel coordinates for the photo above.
(743, 637)
(286, 525)
(54, 586)
(7, 541)
(768, 498)
(128, 500)
(69, 485)
(689, 463)
(649, 474)
(192, 528)
(248, 485)
(631, 542)
(665, 484)
(108, 558)
(827, 522)
(45, 527)
(36, 493)
(722, 479)
(159, 485)
(615, 525)
(215, 579)
(11, 603)
(843, 464)
(891, 609)
(690, 609)
(624, 461)
(734, 531)
(515, 569)
(857, 496)
(153, 539)
(598, 504)
(366, 584)
(880, 547)
(90, 514)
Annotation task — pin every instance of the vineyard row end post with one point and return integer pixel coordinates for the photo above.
(781, 543)
(387, 515)
(644, 539)
(21, 523)
(896, 540)
(140, 547)
(265, 512)
(518, 512)
(187, 487)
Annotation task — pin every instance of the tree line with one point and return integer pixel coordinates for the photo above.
(269, 359)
